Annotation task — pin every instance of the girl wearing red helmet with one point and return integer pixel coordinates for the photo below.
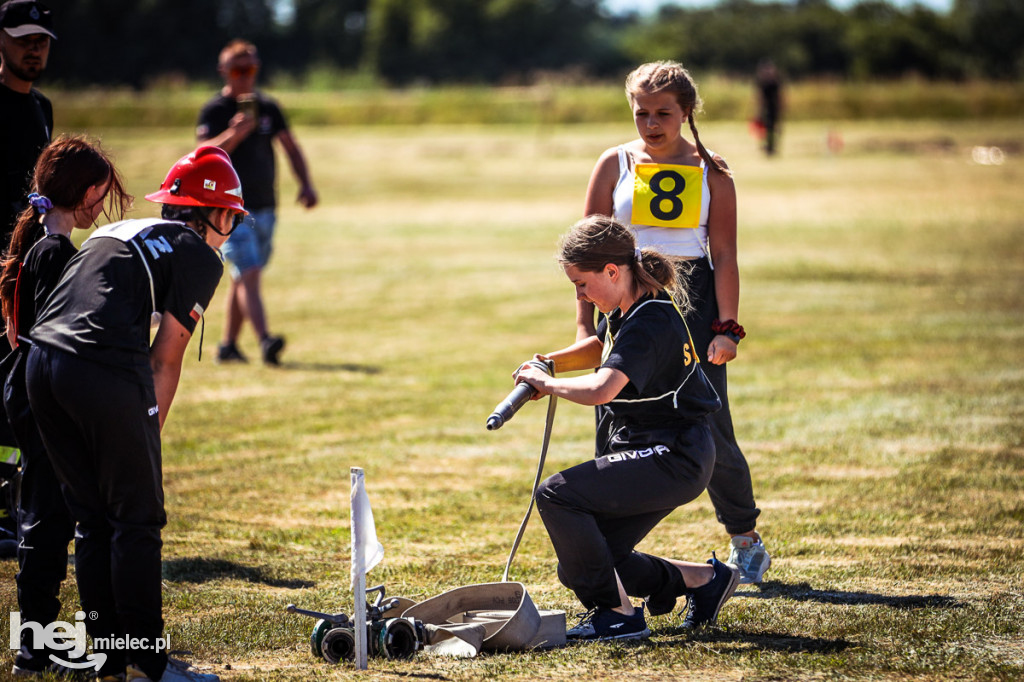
(101, 392)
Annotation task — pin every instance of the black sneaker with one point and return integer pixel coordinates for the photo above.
(703, 603)
(29, 667)
(270, 347)
(228, 352)
(601, 624)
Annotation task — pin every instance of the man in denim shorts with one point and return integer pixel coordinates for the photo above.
(245, 123)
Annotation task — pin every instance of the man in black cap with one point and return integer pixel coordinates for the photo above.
(26, 115)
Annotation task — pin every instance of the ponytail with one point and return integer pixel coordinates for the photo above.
(653, 271)
(27, 231)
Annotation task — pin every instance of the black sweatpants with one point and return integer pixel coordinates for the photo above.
(598, 511)
(730, 487)
(45, 526)
(103, 438)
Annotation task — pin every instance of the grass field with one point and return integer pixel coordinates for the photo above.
(560, 100)
(879, 397)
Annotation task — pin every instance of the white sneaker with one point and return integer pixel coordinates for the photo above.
(176, 671)
(750, 556)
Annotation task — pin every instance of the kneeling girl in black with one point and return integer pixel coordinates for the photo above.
(655, 452)
(101, 391)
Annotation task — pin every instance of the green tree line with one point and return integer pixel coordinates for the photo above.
(400, 42)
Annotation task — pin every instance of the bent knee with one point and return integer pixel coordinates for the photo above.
(562, 577)
(548, 492)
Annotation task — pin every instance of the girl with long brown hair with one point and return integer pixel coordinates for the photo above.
(74, 181)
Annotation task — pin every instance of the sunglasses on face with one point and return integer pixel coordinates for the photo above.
(242, 71)
(236, 220)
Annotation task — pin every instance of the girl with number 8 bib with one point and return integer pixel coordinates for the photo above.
(679, 198)
(653, 453)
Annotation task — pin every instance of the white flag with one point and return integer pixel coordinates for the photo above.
(364, 533)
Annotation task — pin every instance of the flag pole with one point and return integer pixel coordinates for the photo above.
(358, 572)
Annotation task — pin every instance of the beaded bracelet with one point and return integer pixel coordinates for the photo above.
(729, 328)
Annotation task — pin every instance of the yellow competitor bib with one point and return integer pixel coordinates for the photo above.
(666, 195)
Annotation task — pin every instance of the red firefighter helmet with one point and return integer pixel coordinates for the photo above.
(204, 177)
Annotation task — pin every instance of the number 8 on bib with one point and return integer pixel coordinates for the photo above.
(667, 195)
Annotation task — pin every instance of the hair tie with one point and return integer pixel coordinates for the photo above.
(639, 256)
(39, 202)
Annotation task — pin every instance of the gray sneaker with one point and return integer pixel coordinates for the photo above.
(750, 556)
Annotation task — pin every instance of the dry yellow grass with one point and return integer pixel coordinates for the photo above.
(878, 399)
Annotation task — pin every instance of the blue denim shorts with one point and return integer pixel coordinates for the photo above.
(251, 244)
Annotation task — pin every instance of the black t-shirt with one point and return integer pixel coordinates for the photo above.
(102, 306)
(652, 347)
(26, 123)
(39, 274)
(769, 99)
(253, 159)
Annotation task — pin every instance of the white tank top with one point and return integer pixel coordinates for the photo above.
(688, 243)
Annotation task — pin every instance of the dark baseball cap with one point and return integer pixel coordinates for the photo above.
(24, 17)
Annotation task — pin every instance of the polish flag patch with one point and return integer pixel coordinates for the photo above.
(197, 312)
